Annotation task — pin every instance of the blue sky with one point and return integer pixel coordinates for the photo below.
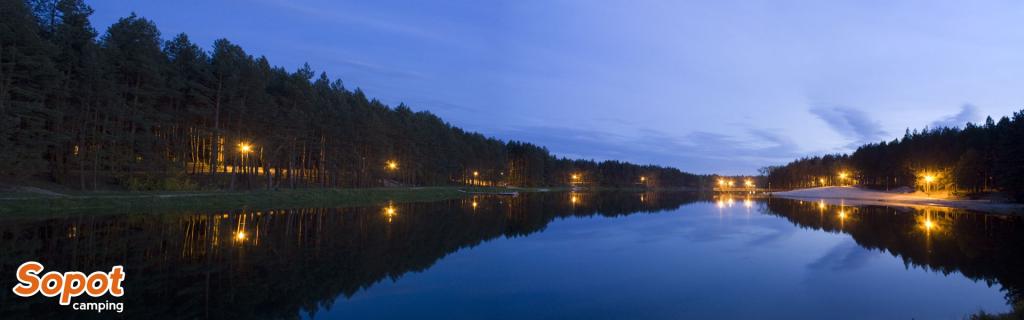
(706, 86)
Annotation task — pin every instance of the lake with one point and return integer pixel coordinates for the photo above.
(599, 255)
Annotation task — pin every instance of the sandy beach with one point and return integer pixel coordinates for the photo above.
(859, 196)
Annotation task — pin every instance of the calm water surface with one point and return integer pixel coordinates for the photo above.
(555, 255)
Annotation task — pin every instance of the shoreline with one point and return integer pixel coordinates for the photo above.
(858, 196)
(27, 204)
(33, 204)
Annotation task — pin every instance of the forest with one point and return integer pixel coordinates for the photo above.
(127, 109)
(974, 159)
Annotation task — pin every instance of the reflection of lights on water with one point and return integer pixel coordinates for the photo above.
(821, 204)
(928, 224)
(474, 204)
(748, 203)
(842, 214)
(721, 204)
(574, 199)
(240, 235)
(390, 212)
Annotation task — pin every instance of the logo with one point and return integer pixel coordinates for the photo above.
(71, 284)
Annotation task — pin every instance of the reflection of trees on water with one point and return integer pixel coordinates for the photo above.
(980, 246)
(276, 263)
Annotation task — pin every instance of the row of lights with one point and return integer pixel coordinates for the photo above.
(730, 183)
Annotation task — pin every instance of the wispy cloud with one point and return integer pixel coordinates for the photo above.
(364, 19)
(968, 113)
(852, 123)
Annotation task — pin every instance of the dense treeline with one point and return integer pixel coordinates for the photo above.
(977, 158)
(127, 108)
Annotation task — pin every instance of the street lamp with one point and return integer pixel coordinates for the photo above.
(392, 165)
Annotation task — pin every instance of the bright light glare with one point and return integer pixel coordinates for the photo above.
(928, 224)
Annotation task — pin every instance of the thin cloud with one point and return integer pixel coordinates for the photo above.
(852, 123)
(968, 113)
(361, 18)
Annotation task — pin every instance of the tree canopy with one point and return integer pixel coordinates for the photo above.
(129, 109)
(975, 158)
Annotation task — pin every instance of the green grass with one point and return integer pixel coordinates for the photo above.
(32, 204)
(122, 202)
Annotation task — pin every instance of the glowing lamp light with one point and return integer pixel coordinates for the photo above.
(642, 178)
(240, 235)
(928, 224)
(476, 173)
(390, 212)
(474, 204)
(392, 165)
(929, 178)
(244, 147)
(842, 214)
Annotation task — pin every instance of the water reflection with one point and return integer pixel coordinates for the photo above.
(284, 263)
(279, 263)
(982, 247)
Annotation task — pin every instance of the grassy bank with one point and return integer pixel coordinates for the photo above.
(48, 203)
(25, 204)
